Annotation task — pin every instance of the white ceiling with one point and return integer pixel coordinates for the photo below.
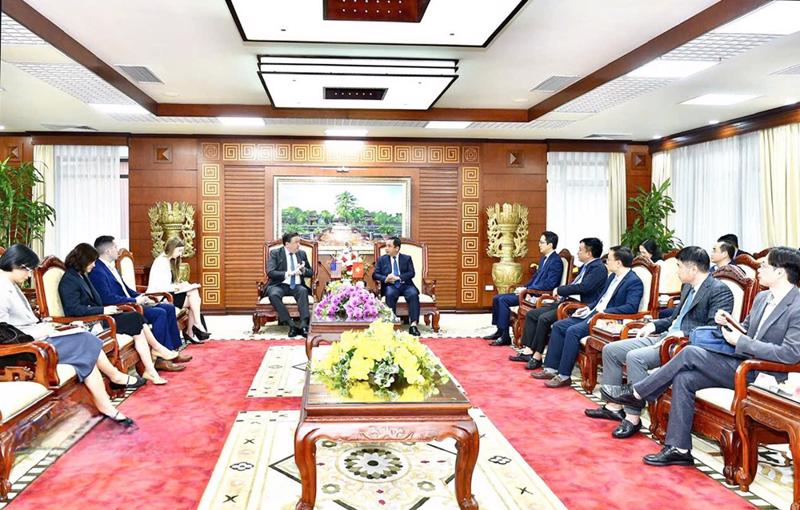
(194, 47)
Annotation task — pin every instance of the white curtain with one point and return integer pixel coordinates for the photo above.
(577, 197)
(617, 197)
(715, 186)
(662, 168)
(87, 195)
(44, 161)
(780, 185)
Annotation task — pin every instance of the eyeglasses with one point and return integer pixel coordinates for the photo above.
(542, 242)
(26, 268)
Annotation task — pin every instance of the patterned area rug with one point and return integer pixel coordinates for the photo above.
(281, 374)
(256, 469)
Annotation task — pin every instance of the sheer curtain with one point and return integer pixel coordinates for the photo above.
(578, 197)
(617, 198)
(44, 161)
(780, 179)
(87, 189)
(715, 186)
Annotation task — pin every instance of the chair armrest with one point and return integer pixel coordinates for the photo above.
(45, 360)
(545, 299)
(108, 319)
(671, 346)
(429, 288)
(629, 327)
(158, 296)
(673, 301)
(566, 309)
(131, 308)
(751, 365)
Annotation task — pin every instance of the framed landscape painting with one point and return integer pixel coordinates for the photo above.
(342, 212)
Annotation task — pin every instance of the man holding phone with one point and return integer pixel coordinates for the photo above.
(771, 333)
(287, 270)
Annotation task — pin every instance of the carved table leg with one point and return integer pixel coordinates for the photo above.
(436, 321)
(6, 462)
(305, 456)
(749, 461)
(468, 444)
(794, 444)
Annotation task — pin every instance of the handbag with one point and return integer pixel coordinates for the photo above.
(10, 335)
(710, 338)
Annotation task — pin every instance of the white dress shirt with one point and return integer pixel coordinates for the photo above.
(113, 268)
(289, 258)
(603, 303)
(160, 276)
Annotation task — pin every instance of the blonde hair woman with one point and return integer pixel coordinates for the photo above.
(164, 277)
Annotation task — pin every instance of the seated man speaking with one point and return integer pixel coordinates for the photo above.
(395, 271)
(287, 270)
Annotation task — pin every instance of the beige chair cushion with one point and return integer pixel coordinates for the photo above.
(287, 300)
(584, 340)
(748, 271)
(564, 271)
(17, 396)
(415, 252)
(720, 397)
(738, 297)
(127, 272)
(514, 309)
(668, 282)
(65, 373)
(124, 340)
(51, 279)
(423, 299)
(647, 281)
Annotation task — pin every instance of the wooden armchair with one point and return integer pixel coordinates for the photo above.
(127, 270)
(749, 265)
(427, 287)
(47, 276)
(590, 354)
(715, 408)
(531, 299)
(265, 312)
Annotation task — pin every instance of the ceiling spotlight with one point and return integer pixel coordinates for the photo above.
(656, 137)
(712, 122)
(2, 127)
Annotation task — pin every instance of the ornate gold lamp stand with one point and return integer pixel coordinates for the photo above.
(173, 219)
(508, 239)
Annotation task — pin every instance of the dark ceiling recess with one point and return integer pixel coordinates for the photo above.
(405, 11)
(358, 94)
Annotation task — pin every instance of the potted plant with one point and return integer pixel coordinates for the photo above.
(23, 217)
(652, 209)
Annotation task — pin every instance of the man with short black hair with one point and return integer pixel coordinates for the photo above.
(722, 254)
(772, 333)
(395, 271)
(547, 277)
(622, 294)
(701, 297)
(734, 240)
(287, 269)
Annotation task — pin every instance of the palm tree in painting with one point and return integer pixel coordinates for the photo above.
(345, 201)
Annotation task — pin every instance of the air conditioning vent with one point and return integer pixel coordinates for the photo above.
(795, 69)
(67, 127)
(609, 136)
(555, 83)
(355, 94)
(139, 74)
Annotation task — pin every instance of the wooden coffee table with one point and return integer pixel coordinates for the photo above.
(325, 330)
(326, 415)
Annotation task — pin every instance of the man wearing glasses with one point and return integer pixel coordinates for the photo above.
(546, 279)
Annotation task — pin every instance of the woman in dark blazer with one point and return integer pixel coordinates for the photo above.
(79, 299)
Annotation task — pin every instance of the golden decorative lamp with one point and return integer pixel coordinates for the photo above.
(173, 219)
(508, 239)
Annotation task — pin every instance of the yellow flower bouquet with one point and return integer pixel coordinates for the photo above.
(387, 361)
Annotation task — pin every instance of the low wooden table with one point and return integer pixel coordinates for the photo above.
(330, 416)
(325, 330)
(762, 409)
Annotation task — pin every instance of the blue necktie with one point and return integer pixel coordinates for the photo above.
(396, 271)
(676, 326)
(579, 279)
(293, 279)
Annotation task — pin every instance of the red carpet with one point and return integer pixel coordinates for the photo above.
(166, 463)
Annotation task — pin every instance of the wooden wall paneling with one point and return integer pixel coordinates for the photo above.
(437, 220)
(17, 149)
(638, 173)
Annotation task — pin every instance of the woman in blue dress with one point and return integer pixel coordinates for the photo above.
(82, 350)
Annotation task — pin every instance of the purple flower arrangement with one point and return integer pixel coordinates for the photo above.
(353, 303)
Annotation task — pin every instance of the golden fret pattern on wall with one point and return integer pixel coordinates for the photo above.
(211, 247)
(322, 153)
(470, 235)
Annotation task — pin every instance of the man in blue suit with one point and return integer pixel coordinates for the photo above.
(622, 294)
(395, 272)
(547, 278)
(114, 291)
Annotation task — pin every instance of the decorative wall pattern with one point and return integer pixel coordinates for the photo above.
(469, 286)
(211, 247)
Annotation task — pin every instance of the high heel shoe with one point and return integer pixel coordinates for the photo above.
(191, 340)
(199, 333)
(157, 380)
(138, 382)
(125, 422)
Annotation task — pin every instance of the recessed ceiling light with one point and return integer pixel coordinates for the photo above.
(656, 137)
(448, 124)
(129, 109)
(520, 100)
(346, 132)
(719, 99)
(779, 18)
(712, 122)
(662, 68)
(171, 94)
(241, 121)
(2, 127)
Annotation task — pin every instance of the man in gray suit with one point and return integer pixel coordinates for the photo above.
(701, 297)
(287, 269)
(772, 333)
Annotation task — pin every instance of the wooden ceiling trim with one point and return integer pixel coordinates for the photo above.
(762, 120)
(718, 14)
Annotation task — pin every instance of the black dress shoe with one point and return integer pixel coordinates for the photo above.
(199, 333)
(133, 382)
(500, 342)
(534, 364)
(622, 395)
(304, 331)
(191, 340)
(414, 331)
(604, 413)
(293, 332)
(626, 429)
(521, 357)
(669, 456)
(494, 336)
(125, 422)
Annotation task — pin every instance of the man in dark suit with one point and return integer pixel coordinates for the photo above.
(586, 288)
(722, 254)
(734, 240)
(395, 272)
(113, 291)
(287, 269)
(772, 333)
(547, 277)
(701, 296)
(622, 294)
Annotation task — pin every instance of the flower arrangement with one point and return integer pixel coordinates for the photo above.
(352, 265)
(380, 363)
(353, 303)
